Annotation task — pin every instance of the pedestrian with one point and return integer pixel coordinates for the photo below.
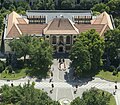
(115, 86)
(51, 91)
(51, 74)
(50, 80)
(63, 60)
(75, 92)
(76, 86)
(52, 85)
(12, 84)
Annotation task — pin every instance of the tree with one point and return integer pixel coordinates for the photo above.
(67, 4)
(77, 101)
(2, 66)
(112, 44)
(114, 7)
(1, 23)
(92, 97)
(80, 57)
(88, 49)
(44, 5)
(101, 7)
(21, 46)
(25, 95)
(41, 54)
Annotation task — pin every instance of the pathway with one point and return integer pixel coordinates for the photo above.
(64, 89)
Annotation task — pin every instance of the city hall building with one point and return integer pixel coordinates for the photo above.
(59, 27)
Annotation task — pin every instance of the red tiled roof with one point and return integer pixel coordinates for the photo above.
(31, 28)
(13, 32)
(85, 27)
(60, 26)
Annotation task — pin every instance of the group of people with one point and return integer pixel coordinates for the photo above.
(61, 61)
(115, 88)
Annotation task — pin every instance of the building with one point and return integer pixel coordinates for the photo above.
(59, 27)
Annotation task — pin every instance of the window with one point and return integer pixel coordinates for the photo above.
(54, 40)
(37, 19)
(68, 40)
(47, 36)
(82, 19)
(74, 36)
(61, 40)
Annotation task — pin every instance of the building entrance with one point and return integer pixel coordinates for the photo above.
(60, 49)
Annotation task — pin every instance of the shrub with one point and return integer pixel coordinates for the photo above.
(2, 66)
(118, 68)
(115, 72)
(112, 68)
(9, 68)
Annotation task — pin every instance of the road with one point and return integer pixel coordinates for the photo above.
(64, 88)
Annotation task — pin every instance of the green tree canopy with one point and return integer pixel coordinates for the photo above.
(92, 97)
(87, 51)
(25, 95)
(101, 7)
(41, 54)
(67, 4)
(112, 44)
(44, 5)
(114, 7)
(80, 57)
(21, 46)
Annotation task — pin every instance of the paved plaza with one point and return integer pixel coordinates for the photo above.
(64, 86)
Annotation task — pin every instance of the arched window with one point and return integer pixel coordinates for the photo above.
(68, 40)
(61, 39)
(54, 40)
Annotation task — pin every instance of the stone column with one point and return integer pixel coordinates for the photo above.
(64, 39)
(57, 42)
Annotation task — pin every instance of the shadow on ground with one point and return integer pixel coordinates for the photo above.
(73, 80)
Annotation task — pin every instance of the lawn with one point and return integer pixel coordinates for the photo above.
(107, 75)
(19, 74)
(112, 99)
(23, 73)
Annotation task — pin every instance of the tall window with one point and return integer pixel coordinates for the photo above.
(37, 19)
(54, 40)
(68, 40)
(82, 19)
(61, 39)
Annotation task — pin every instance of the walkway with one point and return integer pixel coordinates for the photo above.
(64, 88)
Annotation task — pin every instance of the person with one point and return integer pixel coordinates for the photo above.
(63, 60)
(52, 85)
(50, 80)
(75, 92)
(51, 91)
(12, 84)
(115, 86)
(59, 60)
(51, 74)
(76, 86)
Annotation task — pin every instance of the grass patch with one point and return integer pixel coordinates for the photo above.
(19, 74)
(107, 75)
(23, 73)
(112, 99)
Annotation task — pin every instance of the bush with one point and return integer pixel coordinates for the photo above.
(2, 66)
(115, 72)
(118, 68)
(112, 68)
(9, 68)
